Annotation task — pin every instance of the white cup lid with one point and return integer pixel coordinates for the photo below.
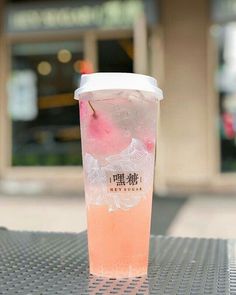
(113, 81)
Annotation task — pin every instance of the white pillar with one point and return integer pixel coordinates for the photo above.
(184, 121)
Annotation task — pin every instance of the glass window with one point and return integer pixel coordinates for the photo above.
(115, 55)
(45, 121)
(45, 117)
(226, 39)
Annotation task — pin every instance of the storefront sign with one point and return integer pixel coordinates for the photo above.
(223, 10)
(64, 15)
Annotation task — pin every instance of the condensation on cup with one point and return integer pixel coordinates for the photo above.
(118, 117)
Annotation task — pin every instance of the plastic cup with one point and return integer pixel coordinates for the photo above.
(118, 117)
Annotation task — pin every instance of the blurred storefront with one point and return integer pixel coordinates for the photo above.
(189, 45)
(45, 46)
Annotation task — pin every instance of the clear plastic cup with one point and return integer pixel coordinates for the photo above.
(118, 117)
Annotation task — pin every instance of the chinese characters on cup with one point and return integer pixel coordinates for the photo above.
(125, 182)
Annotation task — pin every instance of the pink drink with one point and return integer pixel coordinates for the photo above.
(118, 128)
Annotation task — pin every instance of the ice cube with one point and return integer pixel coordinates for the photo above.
(135, 158)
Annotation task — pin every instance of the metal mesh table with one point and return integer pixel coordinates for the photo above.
(56, 263)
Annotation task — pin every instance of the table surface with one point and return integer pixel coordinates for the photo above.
(56, 263)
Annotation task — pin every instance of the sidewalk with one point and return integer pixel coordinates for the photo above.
(58, 213)
(206, 216)
(43, 213)
(198, 216)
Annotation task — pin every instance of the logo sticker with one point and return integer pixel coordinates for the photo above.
(124, 182)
